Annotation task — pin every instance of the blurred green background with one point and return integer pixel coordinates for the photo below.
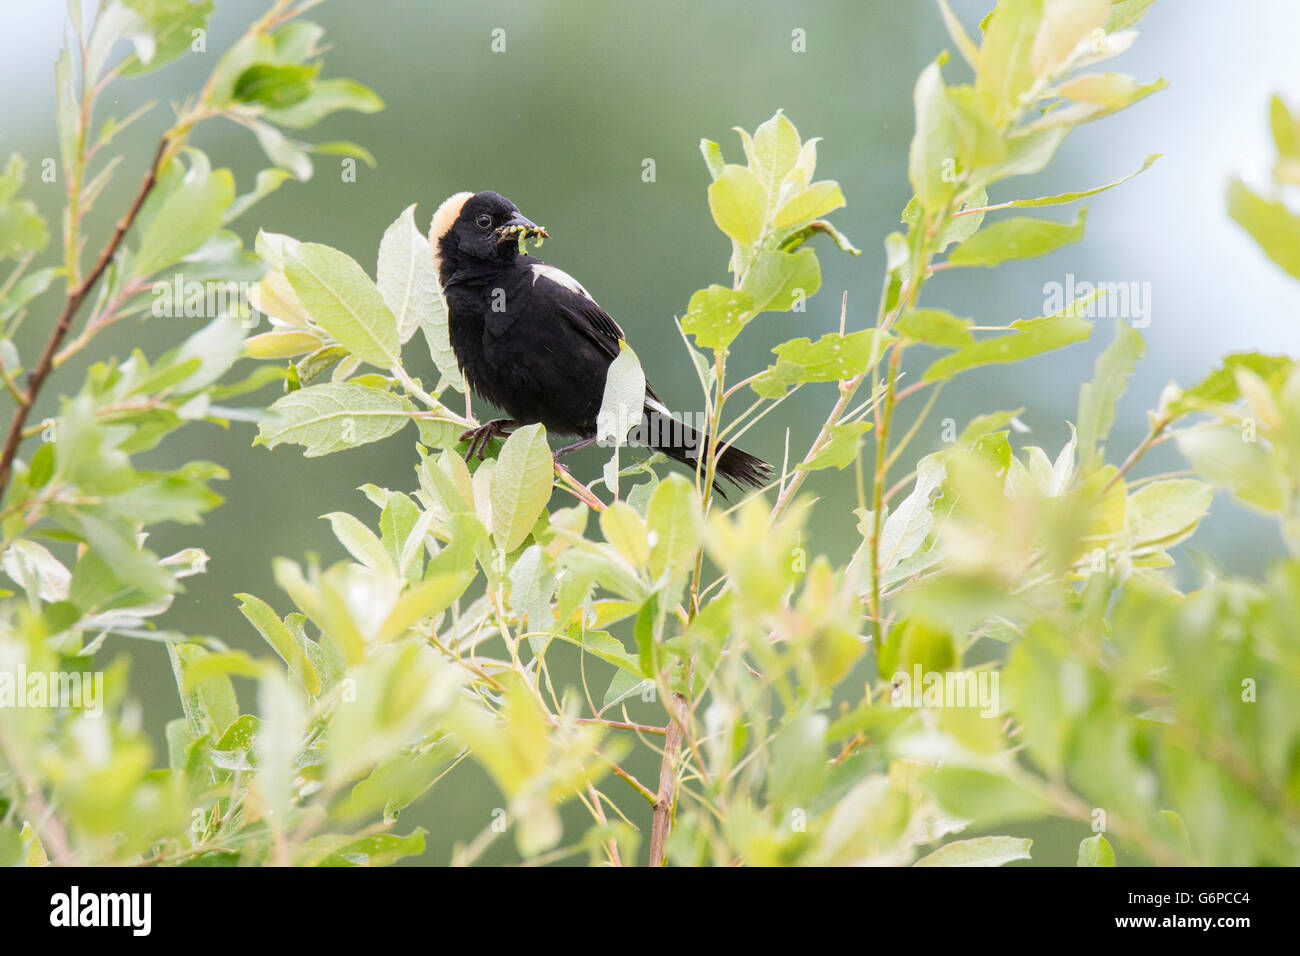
(562, 121)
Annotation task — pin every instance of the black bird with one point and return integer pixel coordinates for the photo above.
(532, 341)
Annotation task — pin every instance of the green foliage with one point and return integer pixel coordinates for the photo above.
(1003, 643)
(1268, 219)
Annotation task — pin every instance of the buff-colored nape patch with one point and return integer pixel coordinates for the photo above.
(446, 216)
(443, 219)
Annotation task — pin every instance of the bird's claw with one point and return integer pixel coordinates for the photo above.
(479, 438)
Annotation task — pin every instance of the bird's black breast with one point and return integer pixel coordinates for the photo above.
(521, 344)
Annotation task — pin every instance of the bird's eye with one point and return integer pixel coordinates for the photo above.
(484, 221)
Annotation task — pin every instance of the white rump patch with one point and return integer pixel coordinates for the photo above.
(559, 277)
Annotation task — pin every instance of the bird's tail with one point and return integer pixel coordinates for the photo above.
(686, 444)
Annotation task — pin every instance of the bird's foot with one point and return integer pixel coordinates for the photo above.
(479, 438)
(575, 446)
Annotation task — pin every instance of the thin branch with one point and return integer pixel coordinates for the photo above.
(75, 297)
(667, 798)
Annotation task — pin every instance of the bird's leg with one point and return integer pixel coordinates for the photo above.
(575, 446)
(478, 438)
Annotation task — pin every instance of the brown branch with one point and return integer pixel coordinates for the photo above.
(75, 297)
(663, 812)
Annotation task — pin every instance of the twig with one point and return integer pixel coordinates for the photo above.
(1153, 436)
(667, 799)
(75, 297)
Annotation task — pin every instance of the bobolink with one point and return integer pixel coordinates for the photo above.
(532, 341)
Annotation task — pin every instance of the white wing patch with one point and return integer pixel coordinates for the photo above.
(658, 406)
(559, 277)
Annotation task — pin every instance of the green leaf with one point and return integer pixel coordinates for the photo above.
(623, 401)
(398, 781)
(1126, 13)
(813, 203)
(209, 703)
(1224, 456)
(907, 527)
(1163, 513)
(983, 797)
(832, 358)
(979, 143)
(799, 762)
(1220, 386)
(821, 225)
(521, 485)
(1285, 128)
(407, 282)
(627, 682)
(22, 229)
(362, 543)
(342, 300)
(623, 528)
(281, 720)
(739, 204)
(981, 851)
(1062, 198)
(1028, 152)
(128, 573)
(1097, 398)
(1104, 93)
(1096, 851)
(712, 154)
(282, 151)
(935, 327)
(281, 639)
(648, 631)
(772, 153)
(1029, 337)
(274, 85)
(331, 417)
(1270, 223)
(675, 520)
(41, 469)
(181, 219)
(181, 495)
(932, 157)
(267, 182)
(38, 572)
(716, 315)
(841, 450)
(326, 97)
(781, 281)
(1019, 237)
(427, 599)
(162, 32)
(532, 586)
(216, 346)
(608, 648)
(1006, 68)
(278, 345)
(25, 290)
(397, 519)
(1065, 24)
(345, 147)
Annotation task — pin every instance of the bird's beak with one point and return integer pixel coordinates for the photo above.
(518, 227)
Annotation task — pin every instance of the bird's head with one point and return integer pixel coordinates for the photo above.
(478, 228)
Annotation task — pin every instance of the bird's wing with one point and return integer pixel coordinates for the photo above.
(584, 313)
(579, 308)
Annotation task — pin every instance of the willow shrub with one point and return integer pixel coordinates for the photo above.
(815, 708)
